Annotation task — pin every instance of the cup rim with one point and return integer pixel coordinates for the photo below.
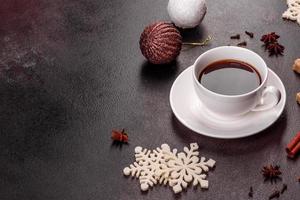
(224, 95)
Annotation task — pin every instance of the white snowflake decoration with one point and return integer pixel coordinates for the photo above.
(186, 167)
(293, 11)
(165, 166)
(145, 166)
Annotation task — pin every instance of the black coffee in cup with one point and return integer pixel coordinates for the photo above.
(230, 77)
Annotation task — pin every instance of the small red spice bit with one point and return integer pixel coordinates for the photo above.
(293, 147)
(269, 38)
(242, 44)
(237, 37)
(275, 194)
(250, 194)
(284, 188)
(119, 136)
(250, 34)
(275, 49)
(271, 173)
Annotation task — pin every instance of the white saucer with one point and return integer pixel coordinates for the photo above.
(189, 110)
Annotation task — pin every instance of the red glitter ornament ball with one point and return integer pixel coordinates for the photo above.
(160, 43)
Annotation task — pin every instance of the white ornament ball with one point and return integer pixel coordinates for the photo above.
(187, 13)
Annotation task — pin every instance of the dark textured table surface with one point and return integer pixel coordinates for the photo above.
(71, 71)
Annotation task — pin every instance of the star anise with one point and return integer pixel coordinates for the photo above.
(275, 49)
(271, 173)
(269, 38)
(119, 136)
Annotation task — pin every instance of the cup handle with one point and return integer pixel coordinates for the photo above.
(276, 94)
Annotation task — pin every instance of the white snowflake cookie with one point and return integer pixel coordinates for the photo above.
(146, 164)
(163, 165)
(293, 11)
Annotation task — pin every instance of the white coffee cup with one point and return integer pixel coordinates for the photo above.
(227, 106)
